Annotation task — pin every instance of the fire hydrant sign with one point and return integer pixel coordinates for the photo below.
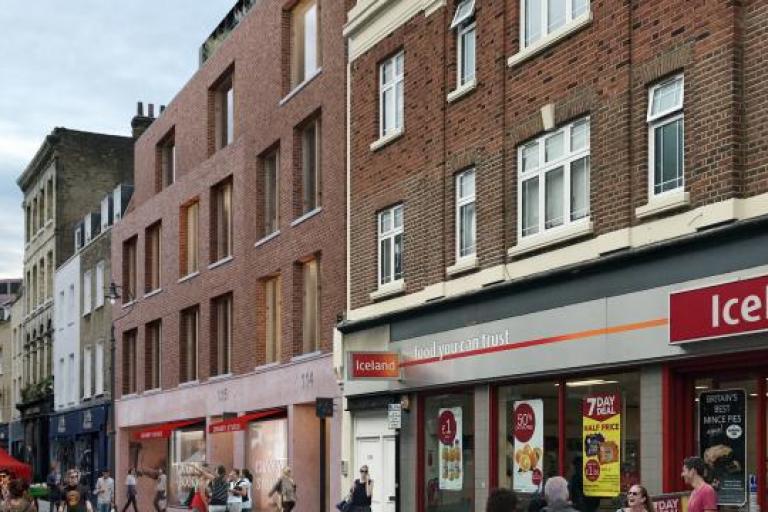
(722, 434)
(601, 432)
(527, 424)
(450, 449)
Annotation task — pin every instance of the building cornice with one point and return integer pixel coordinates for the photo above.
(40, 161)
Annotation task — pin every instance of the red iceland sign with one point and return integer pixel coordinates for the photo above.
(374, 365)
(739, 307)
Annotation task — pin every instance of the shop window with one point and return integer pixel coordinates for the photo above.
(187, 457)
(267, 455)
(449, 455)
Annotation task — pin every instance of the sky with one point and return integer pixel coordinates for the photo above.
(83, 64)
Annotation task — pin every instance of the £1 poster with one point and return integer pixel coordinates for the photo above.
(449, 435)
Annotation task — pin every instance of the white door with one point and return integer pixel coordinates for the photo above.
(375, 448)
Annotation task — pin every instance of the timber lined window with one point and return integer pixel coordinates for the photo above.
(152, 343)
(189, 319)
(221, 220)
(152, 255)
(221, 334)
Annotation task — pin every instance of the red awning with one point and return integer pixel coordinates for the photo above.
(163, 430)
(241, 422)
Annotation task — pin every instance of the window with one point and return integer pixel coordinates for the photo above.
(465, 214)
(464, 23)
(99, 369)
(71, 305)
(152, 341)
(71, 378)
(310, 166)
(49, 201)
(221, 221)
(152, 255)
(391, 245)
(100, 269)
(87, 285)
(221, 334)
(305, 41)
(544, 17)
(270, 192)
(554, 179)
(665, 136)
(310, 328)
(188, 345)
(391, 79)
(87, 378)
(129, 362)
(166, 154)
(273, 312)
(28, 232)
(188, 250)
(49, 279)
(129, 270)
(222, 101)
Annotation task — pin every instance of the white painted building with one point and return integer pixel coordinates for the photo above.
(66, 344)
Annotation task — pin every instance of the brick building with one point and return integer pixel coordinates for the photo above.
(230, 261)
(522, 177)
(72, 170)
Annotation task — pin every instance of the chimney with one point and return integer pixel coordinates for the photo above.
(140, 122)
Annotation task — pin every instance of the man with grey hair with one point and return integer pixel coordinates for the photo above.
(556, 494)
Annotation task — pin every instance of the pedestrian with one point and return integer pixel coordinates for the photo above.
(703, 498)
(362, 492)
(556, 494)
(537, 502)
(160, 501)
(105, 492)
(285, 489)
(18, 498)
(638, 500)
(501, 500)
(218, 491)
(130, 490)
(53, 482)
(579, 500)
(235, 497)
(5, 480)
(246, 484)
(74, 495)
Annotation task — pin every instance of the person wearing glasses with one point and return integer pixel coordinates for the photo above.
(638, 500)
(362, 491)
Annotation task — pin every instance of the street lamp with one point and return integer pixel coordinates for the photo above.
(112, 293)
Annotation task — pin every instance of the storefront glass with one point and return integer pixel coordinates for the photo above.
(449, 452)
(187, 456)
(267, 456)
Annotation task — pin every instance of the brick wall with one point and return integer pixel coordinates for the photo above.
(261, 123)
(603, 70)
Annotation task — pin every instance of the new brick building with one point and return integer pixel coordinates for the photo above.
(230, 261)
(531, 184)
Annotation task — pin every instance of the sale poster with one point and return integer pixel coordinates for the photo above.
(450, 449)
(601, 433)
(527, 424)
(723, 431)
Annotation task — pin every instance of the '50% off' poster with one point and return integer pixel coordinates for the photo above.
(527, 423)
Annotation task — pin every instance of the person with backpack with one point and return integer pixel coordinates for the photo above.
(285, 488)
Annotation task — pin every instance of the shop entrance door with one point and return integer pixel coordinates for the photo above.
(375, 448)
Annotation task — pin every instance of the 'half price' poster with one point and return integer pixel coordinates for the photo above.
(601, 433)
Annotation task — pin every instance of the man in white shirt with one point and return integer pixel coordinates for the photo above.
(235, 498)
(105, 492)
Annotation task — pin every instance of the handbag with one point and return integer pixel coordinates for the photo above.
(345, 505)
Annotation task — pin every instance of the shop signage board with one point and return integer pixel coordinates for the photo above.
(722, 435)
(449, 434)
(601, 436)
(677, 502)
(374, 365)
(394, 416)
(527, 425)
(729, 309)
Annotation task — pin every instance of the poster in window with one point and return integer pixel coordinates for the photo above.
(527, 424)
(450, 452)
(722, 434)
(601, 433)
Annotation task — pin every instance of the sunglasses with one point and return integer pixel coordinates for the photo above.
(363, 470)
(633, 493)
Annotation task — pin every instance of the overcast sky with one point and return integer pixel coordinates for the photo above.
(84, 64)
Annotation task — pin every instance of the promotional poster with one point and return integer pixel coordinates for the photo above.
(601, 433)
(450, 453)
(722, 434)
(527, 425)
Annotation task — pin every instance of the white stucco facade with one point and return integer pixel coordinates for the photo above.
(66, 339)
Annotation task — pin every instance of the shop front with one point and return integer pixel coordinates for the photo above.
(608, 377)
(78, 439)
(5, 432)
(33, 448)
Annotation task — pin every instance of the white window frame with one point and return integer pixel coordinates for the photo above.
(391, 86)
(87, 372)
(389, 236)
(659, 120)
(462, 201)
(463, 22)
(541, 171)
(545, 34)
(87, 286)
(99, 369)
(100, 268)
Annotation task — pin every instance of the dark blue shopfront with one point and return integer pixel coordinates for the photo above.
(79, 440)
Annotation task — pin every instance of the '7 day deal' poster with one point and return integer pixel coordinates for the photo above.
(450, 449)
(601, 432)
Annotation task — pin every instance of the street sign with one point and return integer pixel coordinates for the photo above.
(395, 416)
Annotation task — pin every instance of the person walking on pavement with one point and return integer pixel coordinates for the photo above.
(703, 498)
(362, 492)
(161, 487)
(501, 500)
(556, 494)
(74, 495)
(285, 488)
(235, 497)
(18, 499)
(638, 500)
(130, 490)
(246, 483)
(218, 491)
(105, 492)
(53, 482)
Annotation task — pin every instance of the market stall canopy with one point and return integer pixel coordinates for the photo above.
(241, 422)
(21, 470)
(163, 430)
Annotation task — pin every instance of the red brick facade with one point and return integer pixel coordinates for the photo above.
(602, 70)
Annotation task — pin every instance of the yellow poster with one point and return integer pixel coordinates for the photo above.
(601, 432)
